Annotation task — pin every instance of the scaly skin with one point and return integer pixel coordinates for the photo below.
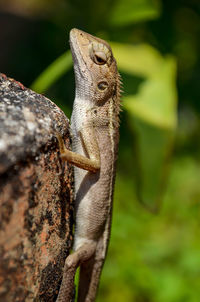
(95, 135)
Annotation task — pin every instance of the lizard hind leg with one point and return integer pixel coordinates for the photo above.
(72, 262)
(90, 272)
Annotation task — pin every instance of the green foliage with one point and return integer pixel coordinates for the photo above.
(127, 12)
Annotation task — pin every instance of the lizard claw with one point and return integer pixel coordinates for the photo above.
(61, 144)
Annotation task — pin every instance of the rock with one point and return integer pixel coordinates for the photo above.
(36, 195)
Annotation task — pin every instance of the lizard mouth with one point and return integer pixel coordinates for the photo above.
(76, 51)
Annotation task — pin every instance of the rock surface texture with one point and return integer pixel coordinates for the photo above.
(36, 195)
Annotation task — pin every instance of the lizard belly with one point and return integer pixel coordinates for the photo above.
(93, 196)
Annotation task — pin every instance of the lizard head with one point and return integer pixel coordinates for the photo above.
(95, 67)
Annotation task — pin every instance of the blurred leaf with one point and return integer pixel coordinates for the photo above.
(155, 102)
(142, 59)
(126, 12)
(152, 152)
(152, 116)
(52, 73)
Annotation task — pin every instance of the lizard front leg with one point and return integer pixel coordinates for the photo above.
(91, 147)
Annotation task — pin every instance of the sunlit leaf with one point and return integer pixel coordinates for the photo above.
(155, 102)
(142, 60)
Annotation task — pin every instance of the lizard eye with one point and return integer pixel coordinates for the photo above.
(99, 53)
(99, 58)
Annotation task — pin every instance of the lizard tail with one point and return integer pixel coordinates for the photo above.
(66, 292)
(90, 272)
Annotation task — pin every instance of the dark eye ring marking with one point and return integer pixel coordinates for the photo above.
(99, 58)
(99, 53)
(102, 85)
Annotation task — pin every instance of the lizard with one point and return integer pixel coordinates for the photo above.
(95, 136)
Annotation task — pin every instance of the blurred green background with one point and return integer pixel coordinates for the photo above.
(154, 252)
